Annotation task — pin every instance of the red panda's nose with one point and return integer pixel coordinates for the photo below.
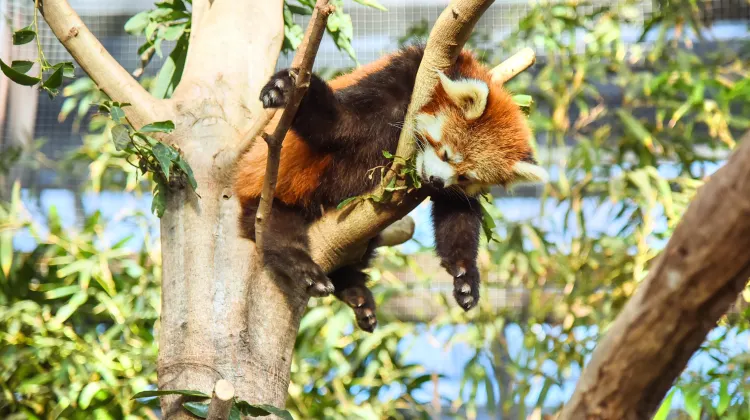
(437, 182)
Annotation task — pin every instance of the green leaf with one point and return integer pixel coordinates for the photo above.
(120, 136)
(116, 113)
(665, 407)
(87, 394)
(197, 408)
(488, 223)
(234, 413)
(188, 171)
(158, 127)
(372, 3)
(159, 201)
(164, 155)
(22, 66)
(53, 81)
(6, 251)
(387, 154)
(24, 35)
(185, 392)
(523, 100)
(17, 76)
(635, 128)
(298, 10)
(346, 201)
(136, 24)
(171, 72)
(69, 308)
(67, 69)
(173, 33)
(724, 397)
(259, 410)
(693, 403)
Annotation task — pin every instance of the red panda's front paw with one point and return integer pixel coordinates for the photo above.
(319, 286)
(465, 285)
(275, 94)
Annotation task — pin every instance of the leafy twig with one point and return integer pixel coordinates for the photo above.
(302, 64)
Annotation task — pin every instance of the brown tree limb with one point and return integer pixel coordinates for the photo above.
(694, 281)
(221, 401)
(302, 65)
(103, 69)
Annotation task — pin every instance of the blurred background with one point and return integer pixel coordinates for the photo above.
(635, 104)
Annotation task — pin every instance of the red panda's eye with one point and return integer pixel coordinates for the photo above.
(445, 155)
(463, 178)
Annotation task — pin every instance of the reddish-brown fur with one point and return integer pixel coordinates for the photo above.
(299, 171)
(498, 138)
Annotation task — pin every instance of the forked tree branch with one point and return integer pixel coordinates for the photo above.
(694, 281)
(103, 69)
(301, 64)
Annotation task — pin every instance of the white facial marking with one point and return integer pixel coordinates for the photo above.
(457, 158)
(526, 172)
(469, 94)
(430, 165)
(431, 124)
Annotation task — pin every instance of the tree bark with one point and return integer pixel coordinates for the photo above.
(695, 280)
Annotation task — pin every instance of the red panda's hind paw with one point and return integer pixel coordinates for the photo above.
(275, 94)
(360, 299)
(466, 288)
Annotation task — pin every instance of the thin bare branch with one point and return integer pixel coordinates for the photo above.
(514, 65)
(695, 280)
(103, 69)
(302, 65)
(221, 401)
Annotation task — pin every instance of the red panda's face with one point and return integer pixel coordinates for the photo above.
(473, 135)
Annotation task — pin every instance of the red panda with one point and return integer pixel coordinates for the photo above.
(471, 135)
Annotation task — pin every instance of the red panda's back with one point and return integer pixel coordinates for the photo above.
(300, 169)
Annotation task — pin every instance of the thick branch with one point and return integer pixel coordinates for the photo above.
(692, 284)
(103, 69)
(302, 65)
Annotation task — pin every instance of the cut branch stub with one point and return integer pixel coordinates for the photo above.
(302, 66)
(221, 401)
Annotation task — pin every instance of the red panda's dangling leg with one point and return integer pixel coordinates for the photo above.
(457, 221)
(286, 246)
(351, 288)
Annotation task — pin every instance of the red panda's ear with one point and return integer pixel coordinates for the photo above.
(468, 94)
(528, 173)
